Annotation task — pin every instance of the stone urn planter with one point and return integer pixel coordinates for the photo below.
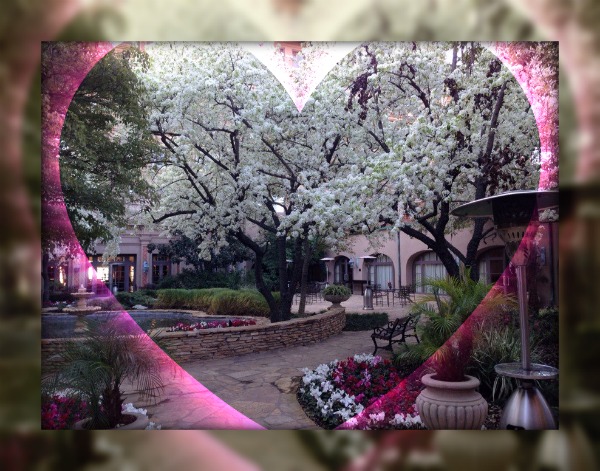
(140, 423)
(336, 299)
(451, 405)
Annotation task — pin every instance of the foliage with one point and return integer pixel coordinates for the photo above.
(214, 301)
(60, 412)
(239, 156)
(336, 290)
(184, 248)
(105, 144)
(190, 279)
(128, 300)
(61, 296)
(106, 303)
(462, 128)
(494, 345)
(500, 342)
(97, 366)
(366, 321)
(335, 392)
(444, 314)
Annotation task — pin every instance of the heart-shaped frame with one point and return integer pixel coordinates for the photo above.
(57, 96)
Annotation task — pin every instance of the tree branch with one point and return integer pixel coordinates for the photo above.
(173, 214)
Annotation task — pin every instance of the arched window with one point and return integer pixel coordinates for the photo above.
(491, 265)
(381, 272)
(427, 266)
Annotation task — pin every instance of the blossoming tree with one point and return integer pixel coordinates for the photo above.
(438, 124)
(394, 135)
(238, 156)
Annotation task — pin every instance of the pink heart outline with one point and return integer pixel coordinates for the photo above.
(221, 414)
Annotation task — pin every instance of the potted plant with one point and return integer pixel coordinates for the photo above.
(450, 399)
(96, 366)
(448, 343)
(336, 294)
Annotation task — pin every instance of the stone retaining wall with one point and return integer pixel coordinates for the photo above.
(217, 343)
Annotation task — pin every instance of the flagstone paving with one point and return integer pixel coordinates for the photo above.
(262, 386)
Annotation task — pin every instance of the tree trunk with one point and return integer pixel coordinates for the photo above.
(288, 280)
(304, 277)
(263, 289)
(258, 274)
(113, 403)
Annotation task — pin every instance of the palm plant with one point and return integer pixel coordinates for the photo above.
(452, 301)
(96, 367)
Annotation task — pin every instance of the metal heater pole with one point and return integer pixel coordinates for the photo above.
(521, 271)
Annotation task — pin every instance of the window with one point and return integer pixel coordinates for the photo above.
(57, 277)
(426, 267)
(381, 272)
(161, 267)
(118, 272)
(491, 265)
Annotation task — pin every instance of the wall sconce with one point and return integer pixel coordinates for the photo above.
(146, 266)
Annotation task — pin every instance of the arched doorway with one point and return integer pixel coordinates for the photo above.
(381, 272)
(342, 272)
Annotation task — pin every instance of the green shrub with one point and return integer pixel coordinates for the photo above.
(128, 300)
(239, 303)
(190, 279)
(216, 301)
(61, 297)
(337, 290)
(406, 365)
(442, 315)
(107, 303)
(494, 345)
(365, 321)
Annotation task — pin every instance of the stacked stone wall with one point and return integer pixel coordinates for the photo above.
(218, 343)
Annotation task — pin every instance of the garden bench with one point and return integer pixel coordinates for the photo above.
(396, 331)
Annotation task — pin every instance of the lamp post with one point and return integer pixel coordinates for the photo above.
(512, 213)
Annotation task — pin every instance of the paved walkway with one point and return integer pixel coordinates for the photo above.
(262, 386)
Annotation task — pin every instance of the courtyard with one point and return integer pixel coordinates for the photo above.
(209, 183)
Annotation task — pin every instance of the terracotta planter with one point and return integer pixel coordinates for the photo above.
(445, 405)
(335, 299)
(140, 423)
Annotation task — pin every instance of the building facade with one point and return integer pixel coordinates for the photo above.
(395, 260)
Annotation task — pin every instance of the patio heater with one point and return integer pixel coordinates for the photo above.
(368, 293)
(327, 260)
(512, 212)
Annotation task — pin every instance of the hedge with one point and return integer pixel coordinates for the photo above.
(365, 321)
(215, 301)
(128, 300)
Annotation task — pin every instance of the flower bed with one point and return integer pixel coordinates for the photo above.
(60, 412)
(184, 327)
(334, 393)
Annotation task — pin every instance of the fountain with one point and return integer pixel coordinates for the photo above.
(81, 308)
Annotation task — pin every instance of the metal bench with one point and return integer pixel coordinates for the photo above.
(396, 331)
